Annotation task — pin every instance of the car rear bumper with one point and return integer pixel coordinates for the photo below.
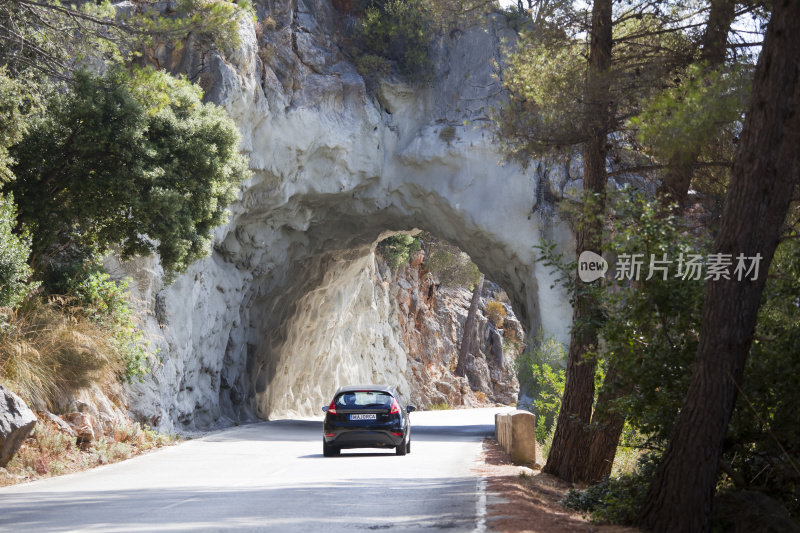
(362, 438)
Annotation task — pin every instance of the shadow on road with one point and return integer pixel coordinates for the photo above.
(305, 430)
(373, 504)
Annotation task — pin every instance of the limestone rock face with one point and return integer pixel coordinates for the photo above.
(431, 318)
(16, 423)
(290, 304)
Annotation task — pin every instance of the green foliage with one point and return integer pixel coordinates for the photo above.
(15, 105)
(541, 375)
(14, 251)
(651, 327)
(131, 161)
(451, 266)
(399, 30)
(545, 76)
(54, 38)
(683, 119)
(108, 303)
(545, 86)
(651, 330)
(615, 500)
(372, 66)
(398, 249)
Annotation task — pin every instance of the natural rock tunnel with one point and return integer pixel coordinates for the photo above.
(290, 304)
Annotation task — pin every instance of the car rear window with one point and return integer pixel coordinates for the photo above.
(364, 400)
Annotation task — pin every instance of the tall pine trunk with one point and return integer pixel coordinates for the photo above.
(569, 450)
(469, 328)
(765, 172)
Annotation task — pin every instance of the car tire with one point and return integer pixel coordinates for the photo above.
(408, 446)
(328, 450)
(402, 449)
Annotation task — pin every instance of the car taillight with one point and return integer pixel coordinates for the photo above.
(395, 407)
(397, 434)
(332, 407)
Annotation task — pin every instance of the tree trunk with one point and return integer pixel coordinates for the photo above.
(765, 171)
(678, 178)
(568, 453)
(606, 429)
(469, 328)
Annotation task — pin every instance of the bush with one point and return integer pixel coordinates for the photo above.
(614, 500)
(495, 312)
(49, 444)
(108, 303)
(541, 375)
(451, 266)
(14, 251)
(398, 30)
(372, 66)
(447, 134)
(133, 162)
(398, 249)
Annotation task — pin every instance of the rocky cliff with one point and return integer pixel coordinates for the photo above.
(287, 307)
(431, 318)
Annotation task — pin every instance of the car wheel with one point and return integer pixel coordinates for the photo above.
(402, 449)
(408, 446)
(328, 450)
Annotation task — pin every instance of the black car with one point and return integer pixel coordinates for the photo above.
(366, 416)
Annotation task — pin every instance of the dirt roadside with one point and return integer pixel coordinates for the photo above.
(530, 503)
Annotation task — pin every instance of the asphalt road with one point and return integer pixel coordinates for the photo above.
(271, 476)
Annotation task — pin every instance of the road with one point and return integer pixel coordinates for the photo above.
(271, 476)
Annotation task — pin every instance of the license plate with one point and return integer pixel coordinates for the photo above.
(364, 417)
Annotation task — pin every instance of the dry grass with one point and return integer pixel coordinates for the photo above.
(520, 502)
(49, 350)
(49, 452)
(625, 461)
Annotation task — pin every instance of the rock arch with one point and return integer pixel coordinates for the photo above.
(289, 303)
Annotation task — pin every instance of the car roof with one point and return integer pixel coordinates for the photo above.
(368, 387)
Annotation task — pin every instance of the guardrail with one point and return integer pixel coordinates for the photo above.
(516, 433)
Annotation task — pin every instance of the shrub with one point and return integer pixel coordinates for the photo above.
(614, 500)
(372, 66)
(134, 162)
(399, 30)
(48, 445)
(451, 266)
(541, 375)
(495, 312)
(447, 134)
(107, 302)
(398, 249)
(14, 251)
